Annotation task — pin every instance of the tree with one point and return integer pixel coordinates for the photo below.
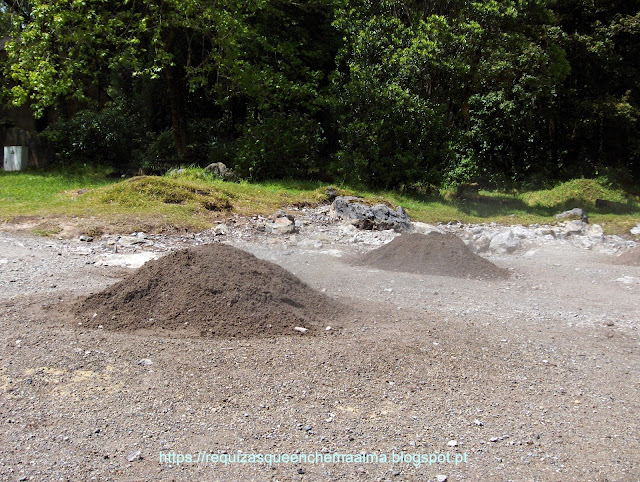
(426, 86)
(238, 59)
(600, 101)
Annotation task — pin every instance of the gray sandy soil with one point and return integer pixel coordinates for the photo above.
(534, 377)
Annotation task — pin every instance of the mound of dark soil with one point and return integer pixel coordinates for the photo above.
(631, 257)
(434, 254)
(210, 290)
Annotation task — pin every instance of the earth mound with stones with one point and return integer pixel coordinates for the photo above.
(432, 254)
(212, 290)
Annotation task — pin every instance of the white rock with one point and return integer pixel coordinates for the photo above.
(636, 229)
(575, 227)
(504, 242)
(129, 240)
(575, 212)
(595, 232)
(482, 244)
(133, 456)
(452, 443)
(424, 228)
(281, 226)
(301, 329)
(221, 230)
(627, 280)
(522, 232)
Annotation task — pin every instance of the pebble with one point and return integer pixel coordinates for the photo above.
(145, 361)
(452, 443)
(301, 329)
(133, 456)
(441, 478)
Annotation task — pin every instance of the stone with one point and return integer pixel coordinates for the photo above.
(133, 456)
(574, 227)
(482, 243)
(379, 217)
(636, 230)
(281, 213)
(300, 329)
(424, 228)
(221, 230)
(504, 242)
(145, 362)
(280, 226)
(575, 213)
(129, 240)
(627, 280)
(133, 260)
(220, 170)
(522, 232)
(544, 232)
(441, 478)
(331, 193)
(452, 443)
(595, 232)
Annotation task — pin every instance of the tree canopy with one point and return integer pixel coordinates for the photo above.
(387, 92)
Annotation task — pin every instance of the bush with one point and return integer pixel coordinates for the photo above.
(110, 136)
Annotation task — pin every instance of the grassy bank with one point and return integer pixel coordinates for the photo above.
(195, 200)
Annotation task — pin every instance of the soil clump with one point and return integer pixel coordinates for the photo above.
(432, 254)
(210, 290)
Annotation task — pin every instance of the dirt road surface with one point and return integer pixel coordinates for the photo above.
(534, 377)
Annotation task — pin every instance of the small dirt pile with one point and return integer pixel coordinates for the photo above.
(631, 257)
(210, 290)
(434, 254)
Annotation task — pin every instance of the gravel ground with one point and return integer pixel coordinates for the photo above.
(530, 378)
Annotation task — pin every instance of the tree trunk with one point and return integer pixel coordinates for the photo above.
(175, 87)
(177, 93)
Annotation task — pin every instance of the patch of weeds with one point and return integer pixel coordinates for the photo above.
(46, 231)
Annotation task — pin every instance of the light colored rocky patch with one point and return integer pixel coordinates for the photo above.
(505, 242)
(126, 260)
(424, 228)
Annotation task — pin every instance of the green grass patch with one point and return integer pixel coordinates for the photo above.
(195, 200)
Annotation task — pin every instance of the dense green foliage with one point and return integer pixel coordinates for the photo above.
(390, 93)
